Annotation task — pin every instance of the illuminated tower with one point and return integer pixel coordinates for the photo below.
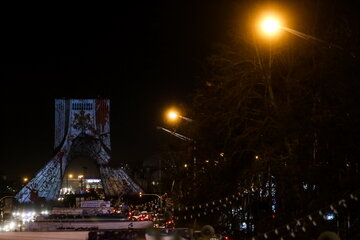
(82, 127)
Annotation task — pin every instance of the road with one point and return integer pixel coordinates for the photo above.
(44, 235)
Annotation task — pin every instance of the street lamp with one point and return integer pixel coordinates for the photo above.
(173, 115)
(270, 25)
(70, 176)
(152, 194)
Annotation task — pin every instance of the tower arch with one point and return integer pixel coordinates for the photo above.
(82, 127)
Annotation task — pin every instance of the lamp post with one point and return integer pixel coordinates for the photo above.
(173, 115)
(70, 176)
(152, 194)
(271, 25)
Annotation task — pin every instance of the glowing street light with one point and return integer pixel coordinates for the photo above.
(25, 179)
(173, 115)
(270, 25)
(70, 176)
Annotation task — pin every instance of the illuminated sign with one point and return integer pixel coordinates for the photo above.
(92, 180)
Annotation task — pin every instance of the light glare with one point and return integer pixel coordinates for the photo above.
(270, 25)
(173, 115)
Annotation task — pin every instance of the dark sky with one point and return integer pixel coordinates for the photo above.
(145, 57)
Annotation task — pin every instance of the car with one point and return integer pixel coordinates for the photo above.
(163, 221)
(142, 216)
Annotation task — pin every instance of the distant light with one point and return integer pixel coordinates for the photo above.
(12, 225)
(70, 176)
(329, 216)
(45, 212)
(243, 225)
(81, 176)
(93, 180)
(256, 157)
(25, 179)
(185, 165)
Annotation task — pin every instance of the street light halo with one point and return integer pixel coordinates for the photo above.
(270, 25)
(173, 115)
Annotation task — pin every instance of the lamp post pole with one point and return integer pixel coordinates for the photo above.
(194, 149)
(173, 116)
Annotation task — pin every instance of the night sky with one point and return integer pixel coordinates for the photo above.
(144, 58)
(143, 55)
